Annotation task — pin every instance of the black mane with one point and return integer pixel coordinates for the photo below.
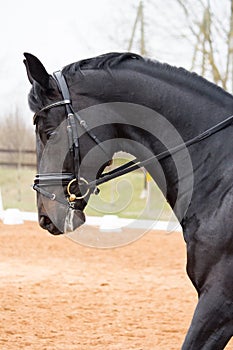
(150, 67)
(105, 61)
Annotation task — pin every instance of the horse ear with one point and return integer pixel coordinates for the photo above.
(28, 71)
(36, 71)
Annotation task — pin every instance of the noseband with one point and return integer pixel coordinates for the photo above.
(68, 179)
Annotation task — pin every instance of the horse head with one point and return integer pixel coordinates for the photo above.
(63, 144)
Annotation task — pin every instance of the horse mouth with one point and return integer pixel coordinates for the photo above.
(73, 220)
(70, 222)
(48, 225)
(54, 230)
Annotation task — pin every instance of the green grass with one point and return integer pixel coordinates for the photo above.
(119, 197)
(122, 197)
(16, 188)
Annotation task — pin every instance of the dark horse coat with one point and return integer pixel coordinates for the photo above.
(146, 107)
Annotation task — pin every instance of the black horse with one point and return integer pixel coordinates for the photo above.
(145, 108)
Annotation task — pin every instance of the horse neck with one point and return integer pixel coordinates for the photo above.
(172, 106)
(182, 112)
(189, 102)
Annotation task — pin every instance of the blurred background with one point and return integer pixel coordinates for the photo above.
(195, 34)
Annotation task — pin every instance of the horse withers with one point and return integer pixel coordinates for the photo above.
(121, 101)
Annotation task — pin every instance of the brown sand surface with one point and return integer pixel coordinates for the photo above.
(58, 295)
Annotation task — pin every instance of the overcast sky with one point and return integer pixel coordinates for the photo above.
(60, 32)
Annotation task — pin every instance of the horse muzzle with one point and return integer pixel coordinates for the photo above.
(72, 220)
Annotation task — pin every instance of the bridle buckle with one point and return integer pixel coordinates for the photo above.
(72, 196)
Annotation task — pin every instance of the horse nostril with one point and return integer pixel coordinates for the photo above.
(44, 221)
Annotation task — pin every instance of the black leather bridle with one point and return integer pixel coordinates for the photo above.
(67, 179)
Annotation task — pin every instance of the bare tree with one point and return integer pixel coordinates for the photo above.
(16, 135)
(213, 40)
(139, 21)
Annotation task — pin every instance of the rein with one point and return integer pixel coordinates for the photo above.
(135, 164)
(67, 179)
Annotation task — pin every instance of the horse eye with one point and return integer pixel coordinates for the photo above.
(51, 134)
